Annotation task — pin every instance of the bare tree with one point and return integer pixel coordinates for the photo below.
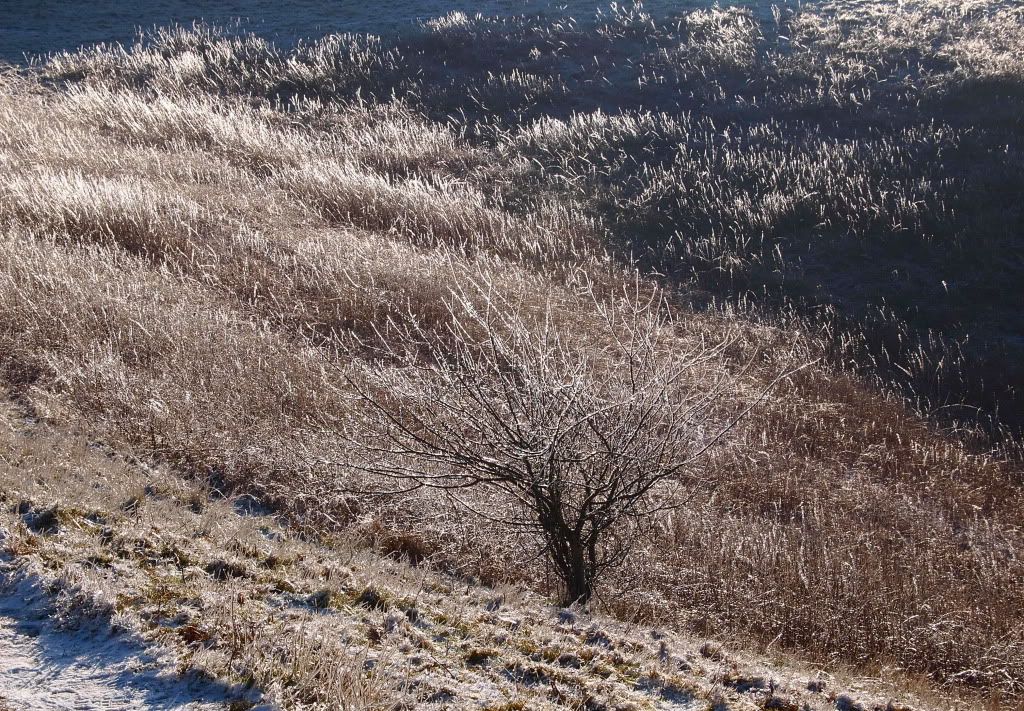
(587, 431)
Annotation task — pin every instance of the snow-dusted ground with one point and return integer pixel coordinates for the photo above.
(46, 665)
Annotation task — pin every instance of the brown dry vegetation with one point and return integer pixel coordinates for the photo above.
(206, 240)
(219, 587)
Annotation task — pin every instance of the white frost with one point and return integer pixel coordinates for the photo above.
(45, 666)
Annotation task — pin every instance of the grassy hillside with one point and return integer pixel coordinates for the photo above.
(217, 588)
(853, 164)
(213, 248)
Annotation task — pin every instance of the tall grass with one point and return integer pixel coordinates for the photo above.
(205, 237)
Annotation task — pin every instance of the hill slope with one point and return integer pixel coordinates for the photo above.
(211, 249)
(218, 588)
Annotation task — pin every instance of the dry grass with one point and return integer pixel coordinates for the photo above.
(223, 589)
(193, 277)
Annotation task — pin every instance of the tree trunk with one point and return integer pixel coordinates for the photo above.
(567, 552)
(578, 577)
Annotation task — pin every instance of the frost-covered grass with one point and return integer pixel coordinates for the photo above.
(852, 163)
(205, 240)
(200, 585)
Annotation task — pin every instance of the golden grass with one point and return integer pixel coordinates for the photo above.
(194, 277)
(220, 587)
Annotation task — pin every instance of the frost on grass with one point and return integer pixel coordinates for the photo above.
(155, 591)
(206, 240)
(53, 654)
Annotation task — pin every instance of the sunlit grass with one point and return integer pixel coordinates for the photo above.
(206, 237)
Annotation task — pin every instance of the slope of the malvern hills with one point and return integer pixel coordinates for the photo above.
(626, 362)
